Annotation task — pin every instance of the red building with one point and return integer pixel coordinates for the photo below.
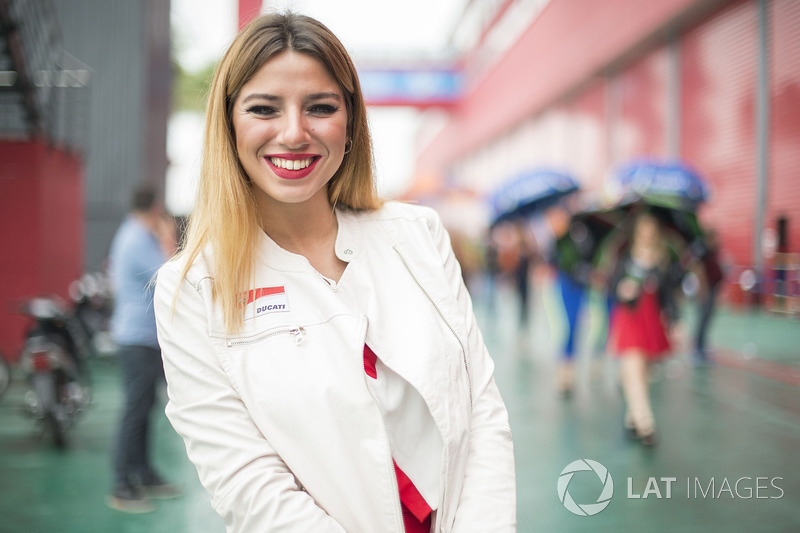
(76, 137)
(589, 85)
(41, 165)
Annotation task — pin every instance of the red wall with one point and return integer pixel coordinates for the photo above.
(784, 135)
(719, 68)
(41, 242)
(640, 129)
(570, 41)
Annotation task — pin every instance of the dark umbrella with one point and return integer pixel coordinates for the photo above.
(669, 191)
(596, 235)
(529, 193)
(672, 191)
(684, 223)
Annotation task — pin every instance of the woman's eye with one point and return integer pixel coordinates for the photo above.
(261, 110)
(323, 109)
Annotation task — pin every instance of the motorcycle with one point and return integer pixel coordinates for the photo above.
(53, 361)
(93, 305)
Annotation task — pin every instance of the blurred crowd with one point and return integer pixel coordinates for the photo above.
(642, 258)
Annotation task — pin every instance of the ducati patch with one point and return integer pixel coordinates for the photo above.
(266, 300)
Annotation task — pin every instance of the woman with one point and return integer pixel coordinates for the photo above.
(644, 308)
(572, 269)
(323, 363)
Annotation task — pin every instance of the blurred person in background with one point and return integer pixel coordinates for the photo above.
(572, 277)
(324, 366)
(568, 248)
(491, 266)
(782, 264)
(522, 273)
(510, 256)
(468, 255)
(711, 277)
(140, 246)
(642, 285)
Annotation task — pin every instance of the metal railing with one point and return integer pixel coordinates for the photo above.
(44, 91)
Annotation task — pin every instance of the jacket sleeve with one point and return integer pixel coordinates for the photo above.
(488, 497)
(250, 485)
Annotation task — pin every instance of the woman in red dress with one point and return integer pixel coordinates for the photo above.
(642, 287)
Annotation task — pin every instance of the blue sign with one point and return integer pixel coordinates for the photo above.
(410, 87)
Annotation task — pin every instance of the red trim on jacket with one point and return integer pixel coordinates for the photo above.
(416, 511)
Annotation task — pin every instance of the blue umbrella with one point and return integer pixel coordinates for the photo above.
(530, 192)
(669, 184)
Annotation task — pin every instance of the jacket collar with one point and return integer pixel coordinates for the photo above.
(348, 239)
(348, 246)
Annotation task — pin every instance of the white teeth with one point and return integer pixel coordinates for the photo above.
(289, 164)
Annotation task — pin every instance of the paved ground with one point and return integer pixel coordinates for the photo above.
(737, 421)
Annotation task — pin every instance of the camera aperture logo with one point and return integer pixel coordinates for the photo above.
(585, 509)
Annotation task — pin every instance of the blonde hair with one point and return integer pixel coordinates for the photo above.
(225, 214)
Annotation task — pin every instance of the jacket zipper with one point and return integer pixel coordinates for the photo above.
(443, 317)
(299, 333)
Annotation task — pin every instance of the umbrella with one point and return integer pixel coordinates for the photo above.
(530, 192)
(672, 185)
(671, 191)
(598, 234)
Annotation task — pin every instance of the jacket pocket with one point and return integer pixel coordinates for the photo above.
(297, 331)
(273, 366)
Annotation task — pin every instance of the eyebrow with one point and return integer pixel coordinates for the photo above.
(274, 98)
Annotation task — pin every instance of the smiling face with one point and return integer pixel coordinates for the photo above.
(290, 125)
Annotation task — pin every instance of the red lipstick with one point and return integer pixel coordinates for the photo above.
(290, 173)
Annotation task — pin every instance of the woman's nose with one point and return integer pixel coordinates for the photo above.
(294, 133)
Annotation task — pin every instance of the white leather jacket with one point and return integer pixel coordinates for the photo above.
(279, 420)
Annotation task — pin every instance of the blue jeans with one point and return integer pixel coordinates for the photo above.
(573, 295)
(142, 371)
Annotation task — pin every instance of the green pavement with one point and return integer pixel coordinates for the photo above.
(730, 424)
(719, 424)
(759, 334)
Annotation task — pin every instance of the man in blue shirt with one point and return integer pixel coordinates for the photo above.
(141, 245)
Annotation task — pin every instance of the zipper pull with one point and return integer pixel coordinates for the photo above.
(299, 334)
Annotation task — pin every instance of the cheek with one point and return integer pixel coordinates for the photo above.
(250, 133)
(335, 133)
